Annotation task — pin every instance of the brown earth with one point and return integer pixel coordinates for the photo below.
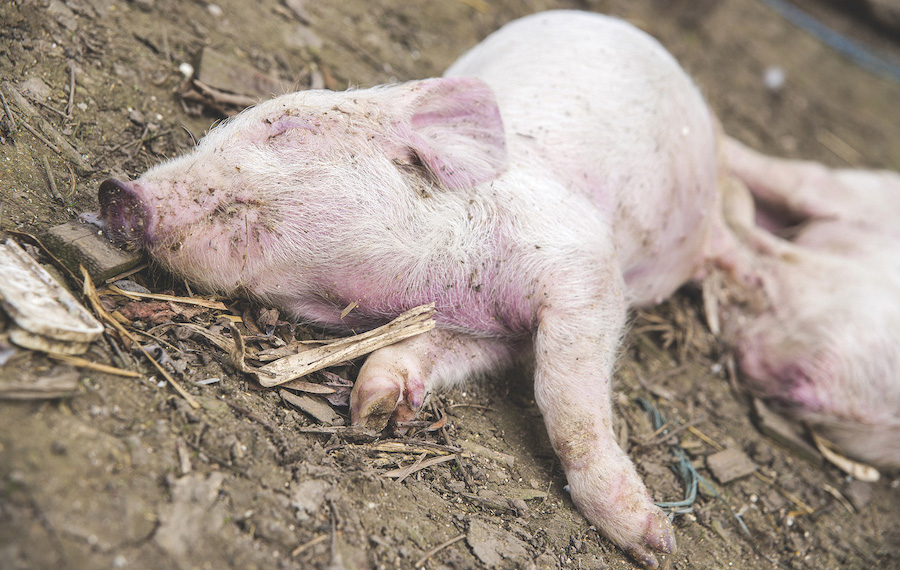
(125, 474)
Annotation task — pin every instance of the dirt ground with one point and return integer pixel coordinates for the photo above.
(125, 474)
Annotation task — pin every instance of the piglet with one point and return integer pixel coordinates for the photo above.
(560, 172)
(812, 302)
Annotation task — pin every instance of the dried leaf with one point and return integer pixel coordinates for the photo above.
(310, 387)
(313, 406)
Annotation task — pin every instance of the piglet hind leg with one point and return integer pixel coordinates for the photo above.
(575, 349)
(394, 380)
(797, 190)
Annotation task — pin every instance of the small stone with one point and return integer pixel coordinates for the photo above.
(731, 464)
(186, 69)
(136, 117)
(63, 15)
(520, 506)
(492, 544)
(75, 244)
(35, 88)
(774, 78)
(308, 497)
(228, 73)
(129, 285)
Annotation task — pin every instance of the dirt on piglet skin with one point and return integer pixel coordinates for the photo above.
(125, 473)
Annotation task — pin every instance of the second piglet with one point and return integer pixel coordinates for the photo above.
(812, 301)
(521, 194)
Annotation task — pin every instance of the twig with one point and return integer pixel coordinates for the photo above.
(666, 432)
(51, 108)
(115, 348)
(307, 545)
(413, 322)
(54, 191)
(39, 514)
(840, 498)
(437, 549)
(478, 406)
(40, 137)
(402, 474)
(71, 180)
(71, 100)
(458, 458)
(345, 431)
(100, 158)
(709, 441)
(160, 297)
(646, 383)
(396, 446)
(239, 353)
(792, 498)
(128, 273)
(420, 464)
(60, 144)
(223, 97)
(84, 363)
(336, 561)
(165, 43)
(9, 115)
(139, 143)
(149, 334)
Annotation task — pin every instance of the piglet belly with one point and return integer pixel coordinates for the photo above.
(668, 246)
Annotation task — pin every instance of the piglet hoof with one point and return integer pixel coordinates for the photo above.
(613, 498)
(658, 537)
(373, 402)
(389, 389)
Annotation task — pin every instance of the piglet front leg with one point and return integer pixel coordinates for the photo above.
(394, 380)
(575, 346)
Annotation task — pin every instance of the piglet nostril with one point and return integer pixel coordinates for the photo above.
(124, 212)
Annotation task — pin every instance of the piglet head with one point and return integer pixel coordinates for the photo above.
(274, 199)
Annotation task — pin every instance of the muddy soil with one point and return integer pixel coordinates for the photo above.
(124, 474)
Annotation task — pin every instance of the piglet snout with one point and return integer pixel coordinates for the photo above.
(125, 214)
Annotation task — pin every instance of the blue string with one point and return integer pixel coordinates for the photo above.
(855, 51)
(689, 475)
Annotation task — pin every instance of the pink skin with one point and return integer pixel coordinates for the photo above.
(521, 194)
(821, 340)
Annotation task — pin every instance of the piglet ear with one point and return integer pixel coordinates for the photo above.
(452, 126)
